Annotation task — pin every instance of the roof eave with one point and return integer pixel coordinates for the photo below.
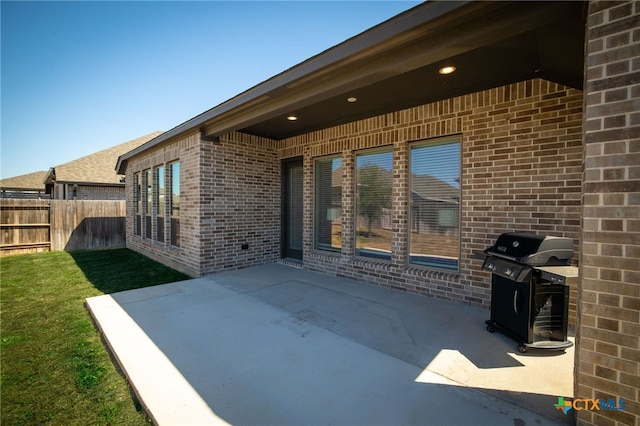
(358, 44)
(21, 189)
(84, 183)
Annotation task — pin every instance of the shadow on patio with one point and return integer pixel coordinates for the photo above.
(279, 345)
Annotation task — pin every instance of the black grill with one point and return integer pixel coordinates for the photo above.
(529, 288)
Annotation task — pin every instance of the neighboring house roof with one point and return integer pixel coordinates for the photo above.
(96, 168)
(423, 186)
(431, 188)
(395, 64)
(29, 182)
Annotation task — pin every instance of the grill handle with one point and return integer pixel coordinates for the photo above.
(515, 301)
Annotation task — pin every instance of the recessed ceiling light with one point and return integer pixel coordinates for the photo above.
(447, 70)
(292, 117)
(352, 99)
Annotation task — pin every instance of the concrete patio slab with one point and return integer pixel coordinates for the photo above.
(280, 345)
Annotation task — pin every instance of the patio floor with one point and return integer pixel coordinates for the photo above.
(275, 344)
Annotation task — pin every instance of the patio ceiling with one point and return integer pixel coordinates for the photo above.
(489, 43)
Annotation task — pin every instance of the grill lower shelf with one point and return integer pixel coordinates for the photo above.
(533, 313)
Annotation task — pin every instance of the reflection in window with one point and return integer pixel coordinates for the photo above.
(373, 204)
(175, 204)
(160, 196)
(137, 202)
(328, 204)
(149, 202)
(435, 204)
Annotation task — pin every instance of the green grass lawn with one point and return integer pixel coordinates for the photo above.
(54, 366)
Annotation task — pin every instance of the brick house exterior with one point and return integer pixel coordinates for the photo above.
(535, 155)
(242, 174)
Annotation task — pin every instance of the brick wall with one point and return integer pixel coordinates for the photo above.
(522, 166)
(239, 203)
(609, 305)
(65, 191)
(230, 199)
(185, 258)
(94, 192)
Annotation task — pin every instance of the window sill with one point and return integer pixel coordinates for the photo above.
(431, 271)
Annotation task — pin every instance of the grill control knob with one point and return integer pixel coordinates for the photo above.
(491, 266)
(508, 272)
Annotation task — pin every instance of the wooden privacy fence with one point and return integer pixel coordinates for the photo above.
(24, 226)
(41, 225)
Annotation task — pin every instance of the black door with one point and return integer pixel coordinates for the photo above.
(511, 306)
(292, 207)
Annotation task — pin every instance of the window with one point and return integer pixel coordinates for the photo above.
(373, 204)
(160, 196)
(435, 204)
(328, 204)
(148, 202)
(175, 204)
(137, 202)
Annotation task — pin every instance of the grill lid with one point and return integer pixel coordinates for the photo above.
(532, 249)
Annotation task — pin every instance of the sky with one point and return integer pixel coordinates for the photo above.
(78, 77)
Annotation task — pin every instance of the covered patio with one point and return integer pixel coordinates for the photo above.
(276, 344)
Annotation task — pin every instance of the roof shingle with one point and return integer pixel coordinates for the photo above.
(28, 182)
(98, 167)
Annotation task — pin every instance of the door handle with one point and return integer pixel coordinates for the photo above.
(515, 301)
